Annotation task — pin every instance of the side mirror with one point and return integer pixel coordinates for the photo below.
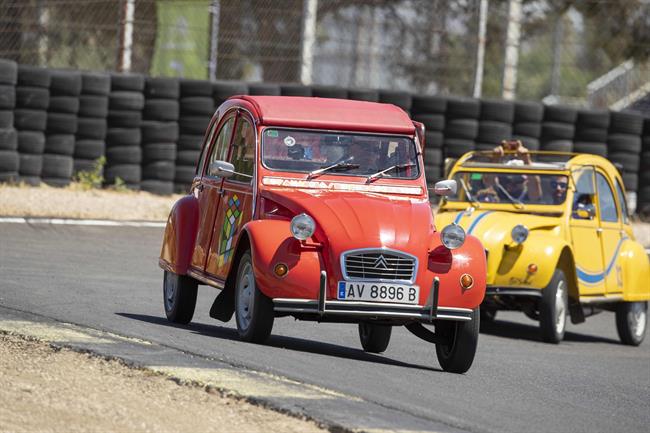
(585, 211)
(221, 169)
(445, 187)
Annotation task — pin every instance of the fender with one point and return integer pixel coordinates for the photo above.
(636, 271)
(180, 236)
(272, 243)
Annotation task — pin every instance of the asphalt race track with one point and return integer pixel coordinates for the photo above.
(107, 278)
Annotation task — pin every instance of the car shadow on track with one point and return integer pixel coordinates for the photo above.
(520, 331)
(283, 342)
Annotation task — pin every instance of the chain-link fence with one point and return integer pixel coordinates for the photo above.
(417, 45)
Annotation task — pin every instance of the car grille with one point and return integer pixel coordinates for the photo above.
(379, 265)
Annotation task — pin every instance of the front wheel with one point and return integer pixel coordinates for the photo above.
(457, 355)
(631, 320)
(254, 310)
(553, 308)
(374, 338)
(179, 297)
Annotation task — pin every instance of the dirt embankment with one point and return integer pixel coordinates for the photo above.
(43, 389)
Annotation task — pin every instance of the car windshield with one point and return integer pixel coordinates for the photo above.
(323, 152)
(510, 187)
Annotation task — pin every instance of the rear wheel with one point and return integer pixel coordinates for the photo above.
(631, 322)
(553, 308)
(457, 355)
(179, 297)
(253, 309)
(374, 338)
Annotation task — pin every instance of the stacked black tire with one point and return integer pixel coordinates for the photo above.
(160, 135)
(58, 160)
(591, 132)
(93, 112)
(295, 90)
(268, 89)
(9, 159)
(30, 119)
(558, 128)
(495, 123)
(430, 111)
(370, 95)
(329, 92)
(643, 196)
(124, 138)
(527, 123)
(403, 100)
(461, 126)
(624, 145)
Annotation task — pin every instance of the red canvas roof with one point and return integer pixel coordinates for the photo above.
(325, 113)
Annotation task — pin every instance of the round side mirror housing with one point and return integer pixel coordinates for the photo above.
(221, 169)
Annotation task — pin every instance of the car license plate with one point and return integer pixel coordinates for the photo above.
(378, 292)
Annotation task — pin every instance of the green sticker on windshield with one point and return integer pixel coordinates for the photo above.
(476, 176)
(271, 133)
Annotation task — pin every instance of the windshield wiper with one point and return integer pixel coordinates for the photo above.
(517, 203)
(470, 197)
(379, 174)
(342, 165)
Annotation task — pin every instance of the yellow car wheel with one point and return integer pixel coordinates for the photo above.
(553, 308)
(631, 322)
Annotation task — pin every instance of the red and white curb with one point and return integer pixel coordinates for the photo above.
(81, 222)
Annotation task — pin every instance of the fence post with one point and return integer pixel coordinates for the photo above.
(480, 49)
(309, 10)
(215, 13)
(127, 36)
(512, 50)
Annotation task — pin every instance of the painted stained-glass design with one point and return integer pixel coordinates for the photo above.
(230, 223)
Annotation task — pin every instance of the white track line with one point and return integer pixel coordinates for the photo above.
(81, 222)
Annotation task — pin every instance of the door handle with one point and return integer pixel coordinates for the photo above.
(599, 231)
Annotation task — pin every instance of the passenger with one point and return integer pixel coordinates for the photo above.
(559, 188)
(366, 154)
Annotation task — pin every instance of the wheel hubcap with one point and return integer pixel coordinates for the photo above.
(560, 308)
(170, 290)
(637, 321)
(246, 290)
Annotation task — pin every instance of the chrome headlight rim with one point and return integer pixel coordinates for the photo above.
(519, 234)
(453, 236)
(302, 226)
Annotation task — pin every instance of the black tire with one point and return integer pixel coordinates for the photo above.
(431, 122)
(560, 114)
(184, 175)
(162, 109)
(253, 310)
(195, 88)
(9, 176)
(7, 97)
(194, 124)
(179, 297)
(433, 139)
(87, 165)
(8, 139)
(92, 128)
(9, 161)
(458, 355)
(124, 119)
(528, 112)
(591, 134)
(630, 181)
(162, 88)
(123, 137)
(30, 165)
(34, 76)
(493, 132)
(558, 145)
(159, 170)
(624, 143)
(61, 123)
(188, 157)
(30, 120)
(592, 148)
(60, 144)
(528, 129)
(8, 72)
(89, 149)
(622, 122)
(596, 119)
(36, 98)
(58, 182)
(374, 338)
(433, 157)
(64, 104)
(29, 180)
(295, 90)
(264, 89)
(95, 83)
(432, 173)
(190, 142)
(632, 322)
(123, 155)
(461, 128)
(329, 92)
(557, 131)
(65, 83)
(129, 173)
(127, 82)
(156, 132)
(629, 161)
(429, 104)
(197, 106)
(463, 108)
(553, 308)
(497, 110)
(157, 187)
(93, 106)
(125, 101)
(222, 90)
(402, 99)
(32, 142)
(6, 119)
(159, 152)
(57, 166)
(455, 148)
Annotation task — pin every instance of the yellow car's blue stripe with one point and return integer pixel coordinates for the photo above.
(478, 219)
(595, 278)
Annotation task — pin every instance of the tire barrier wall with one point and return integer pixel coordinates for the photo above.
(150, 129)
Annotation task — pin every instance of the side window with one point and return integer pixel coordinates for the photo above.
(585, 190)
(606, 200)
(621, 200)
(220, 150)
(206, 146)
(243, 151)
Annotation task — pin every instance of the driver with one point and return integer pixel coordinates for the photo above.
(559, 187)
(364, 153)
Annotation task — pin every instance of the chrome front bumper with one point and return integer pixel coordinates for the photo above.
(372, 310)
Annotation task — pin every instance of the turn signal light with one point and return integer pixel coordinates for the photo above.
(280, 269)
(466, 281)
(532, 268)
